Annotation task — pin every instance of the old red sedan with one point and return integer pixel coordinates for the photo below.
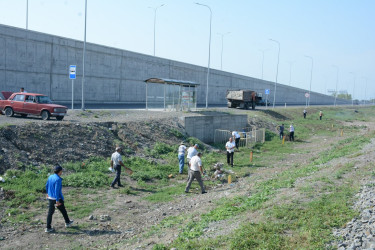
(24, 104)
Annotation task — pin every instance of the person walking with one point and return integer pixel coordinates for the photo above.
(191, 152)
(281, 131)
(304, 113)
(230, 151)
(56, 198)
(196, 169)
(181, 157)
(320, 115)
(116, 163)
(236, 137)
(291, 132)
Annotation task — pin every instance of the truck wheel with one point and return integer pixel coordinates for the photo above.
(45, 115)
(59, 117)
(9, 112)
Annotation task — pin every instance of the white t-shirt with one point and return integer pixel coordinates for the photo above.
(195, 163)
(291, 129)
(181, 150)
(116, 158)
(231, 146)
(235, 134)
(191, 152)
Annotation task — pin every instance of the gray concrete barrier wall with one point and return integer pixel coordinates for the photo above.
(203, 127)
(40, 62)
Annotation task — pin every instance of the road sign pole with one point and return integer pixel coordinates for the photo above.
(72, 94)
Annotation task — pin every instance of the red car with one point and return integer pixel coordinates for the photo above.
(31, 104)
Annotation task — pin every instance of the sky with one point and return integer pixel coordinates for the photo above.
(327, 36)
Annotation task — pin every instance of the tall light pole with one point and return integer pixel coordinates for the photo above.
(337, 82)
(290, 72)
(222, 48)
(312, 65)
(263, 50)
(209, 52)
(155, 9)
(83, 60)
(27, 14)
(355, 76)
(277, 71)
(364, 100)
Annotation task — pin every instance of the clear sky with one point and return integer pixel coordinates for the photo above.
(332, 32)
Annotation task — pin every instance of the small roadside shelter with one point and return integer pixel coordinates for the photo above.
(171, 94)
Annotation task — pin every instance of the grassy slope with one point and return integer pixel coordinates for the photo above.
(304, 222)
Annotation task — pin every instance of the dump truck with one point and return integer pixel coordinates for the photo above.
(243, 99)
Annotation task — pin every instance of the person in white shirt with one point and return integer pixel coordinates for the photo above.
(304, 113)
(291, 132)
(230, 145)
(196, 168)
(192, 151)
(116, 163)
(181, 157)
(236, 137)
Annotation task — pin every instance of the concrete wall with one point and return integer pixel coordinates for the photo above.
(203, 127)
(39, 62)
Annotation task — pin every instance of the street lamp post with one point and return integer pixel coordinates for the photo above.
(83, 60)
(263, 50)
(209, 52)
(312, 65)
(27, 14)
(155, 9)
(337, 81)
(222, 48)
(277, 71)
(290, 72)
(355, 76)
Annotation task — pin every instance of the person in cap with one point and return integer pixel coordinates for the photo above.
(116, 163)
(56, 198)
(181, 157)
(196, 171)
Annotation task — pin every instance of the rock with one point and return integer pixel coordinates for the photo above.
(91, 217)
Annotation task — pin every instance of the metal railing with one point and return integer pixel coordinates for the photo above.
(248, 139)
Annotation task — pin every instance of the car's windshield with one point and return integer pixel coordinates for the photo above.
(43, 99)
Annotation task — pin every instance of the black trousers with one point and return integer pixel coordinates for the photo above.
(51, 211)
(291, 135)
(237, 141)
(304, 115)
(230, 158)
(118, 174)
(281, 135)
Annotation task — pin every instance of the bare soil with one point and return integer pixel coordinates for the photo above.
(78, 137)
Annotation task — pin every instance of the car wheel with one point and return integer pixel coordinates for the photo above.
(59, 117)
(9, 112)
(45, 115)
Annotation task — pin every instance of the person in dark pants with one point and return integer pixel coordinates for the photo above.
(291, 132)
(281, 131)
(230, 145)
(116, 163)
(236, 137)
(320, 115)
(56, 199)
(304, 113)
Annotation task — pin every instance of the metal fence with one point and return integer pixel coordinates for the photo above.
(248, 138)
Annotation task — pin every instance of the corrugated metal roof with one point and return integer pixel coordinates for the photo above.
(172, 81)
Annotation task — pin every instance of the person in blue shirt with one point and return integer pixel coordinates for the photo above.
(56, 198)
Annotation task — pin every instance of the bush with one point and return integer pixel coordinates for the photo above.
(161, 149)
(91, 179)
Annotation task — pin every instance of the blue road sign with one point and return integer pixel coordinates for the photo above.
(72, 72)
(267, 91)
